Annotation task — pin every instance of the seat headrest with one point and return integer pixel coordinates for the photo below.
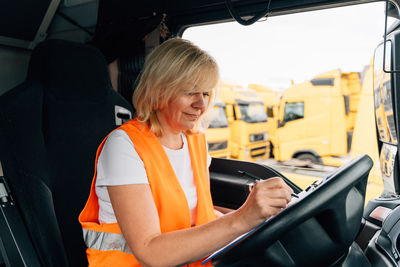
(70, 70)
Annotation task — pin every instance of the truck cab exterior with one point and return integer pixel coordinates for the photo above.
(271, 100)
(218, 132)
(247, 121)
(317, 117)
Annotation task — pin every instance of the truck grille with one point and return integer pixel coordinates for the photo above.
(258, 151)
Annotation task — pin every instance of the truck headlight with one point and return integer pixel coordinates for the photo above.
(252, 138)
(258, 137)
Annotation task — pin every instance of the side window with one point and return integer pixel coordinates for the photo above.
(346, 104)
(323, 82)
(270, 111)
(293, 111)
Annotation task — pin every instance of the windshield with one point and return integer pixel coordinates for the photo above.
(253, 112)
(218, 117)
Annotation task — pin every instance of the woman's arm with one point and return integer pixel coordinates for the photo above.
(220, 211)
(138, 219)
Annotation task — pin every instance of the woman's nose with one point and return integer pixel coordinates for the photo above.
(200, 101)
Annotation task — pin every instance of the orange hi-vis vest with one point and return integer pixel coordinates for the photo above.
(105, 242)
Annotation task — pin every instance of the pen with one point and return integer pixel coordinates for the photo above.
(257, 179)
(250, 175)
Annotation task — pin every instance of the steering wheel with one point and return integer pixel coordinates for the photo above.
(317, 230)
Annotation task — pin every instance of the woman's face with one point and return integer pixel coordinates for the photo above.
(184, 111)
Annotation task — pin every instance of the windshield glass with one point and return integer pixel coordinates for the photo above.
(253, 112)
(218, 117)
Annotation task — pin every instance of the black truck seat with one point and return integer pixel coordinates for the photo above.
(50, 128)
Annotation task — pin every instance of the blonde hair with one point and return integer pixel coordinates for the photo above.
(174, 68)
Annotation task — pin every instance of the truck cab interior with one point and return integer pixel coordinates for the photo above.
(57, 104)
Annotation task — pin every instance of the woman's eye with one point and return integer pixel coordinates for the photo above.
(205, 94)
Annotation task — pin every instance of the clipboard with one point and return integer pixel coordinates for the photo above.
(239, 239)
(235, 242)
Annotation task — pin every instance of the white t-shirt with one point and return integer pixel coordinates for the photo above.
(120, 164)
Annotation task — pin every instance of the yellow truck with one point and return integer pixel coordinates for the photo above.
(364, 140)
(218, 132)
(271, 99)
(247, 121)
(365, 137)
(316, 118)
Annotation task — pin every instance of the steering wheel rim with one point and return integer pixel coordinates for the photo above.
(337, 200)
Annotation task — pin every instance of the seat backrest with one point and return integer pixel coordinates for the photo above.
(50, 128)
(129, 68)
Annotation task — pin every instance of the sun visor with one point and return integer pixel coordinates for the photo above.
(24, 22)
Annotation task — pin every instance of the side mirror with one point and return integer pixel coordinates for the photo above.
(270, 112)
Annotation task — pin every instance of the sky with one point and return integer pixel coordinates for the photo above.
(293, 47)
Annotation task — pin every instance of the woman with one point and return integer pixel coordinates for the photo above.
(150, 202)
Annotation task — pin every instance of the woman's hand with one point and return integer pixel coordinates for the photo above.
(266, 199)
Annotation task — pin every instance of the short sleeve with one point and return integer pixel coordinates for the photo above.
(208, 160)
(119, 163)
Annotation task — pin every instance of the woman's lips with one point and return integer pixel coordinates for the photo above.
(192, 116)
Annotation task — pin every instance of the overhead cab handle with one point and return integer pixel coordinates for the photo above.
(236, 16)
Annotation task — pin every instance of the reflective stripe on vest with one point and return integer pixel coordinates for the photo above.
(105, 241)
